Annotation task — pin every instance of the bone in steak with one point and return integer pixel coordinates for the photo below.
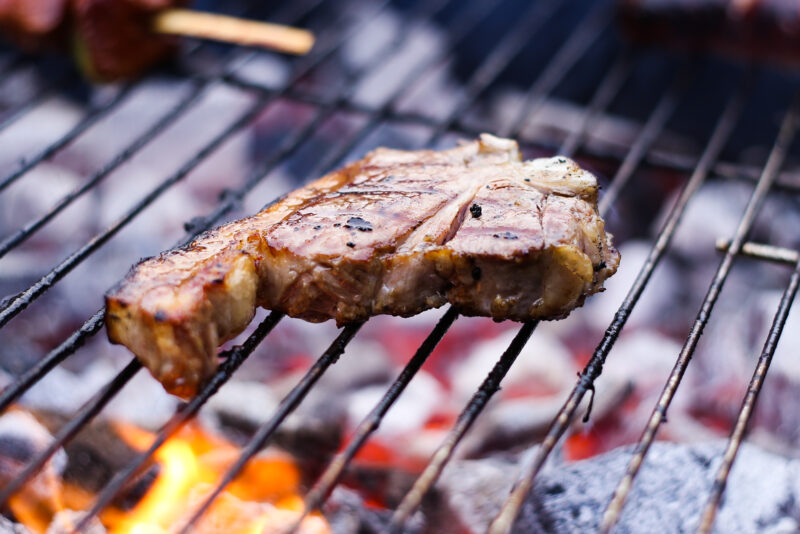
(397, 232)
(767, 30)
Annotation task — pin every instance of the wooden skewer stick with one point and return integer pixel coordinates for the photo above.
(233, 30)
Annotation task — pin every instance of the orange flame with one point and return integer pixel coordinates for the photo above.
(259, 501)
(263, 499)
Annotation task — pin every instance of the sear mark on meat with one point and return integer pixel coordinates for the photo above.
(538, 249)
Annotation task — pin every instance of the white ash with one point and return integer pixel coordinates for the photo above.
(543, 359)
(371, 40)
(714, 212)
(251, 401)
(643, 359)
(127, 405)
(382, 82)
(21, 428)
(9, 527)
(266, 70)
(65, 521)
(36, 129)
(365, 362)
(423, 397)
(667, 496)
(346, 513)
(659, 295)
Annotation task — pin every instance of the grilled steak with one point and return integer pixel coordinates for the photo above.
(755, 29)
(397, 232)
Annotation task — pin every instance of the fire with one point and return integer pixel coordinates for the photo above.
(263, 499)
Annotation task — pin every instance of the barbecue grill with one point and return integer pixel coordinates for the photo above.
(559, 51)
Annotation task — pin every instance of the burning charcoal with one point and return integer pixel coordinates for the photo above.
(365, 363)
(313, 433)
(668, 495)
(421, 399)
(385, 483)
(22, 437)
(9, 527)
(249, 403)
(517, 423)
(661, 294)
(533, 391)
(230, 514)
(95, 455)
(64, 523)
(347, 514)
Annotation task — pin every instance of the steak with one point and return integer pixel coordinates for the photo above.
(397, 232)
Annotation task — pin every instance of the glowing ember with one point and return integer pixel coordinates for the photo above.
(262, 500)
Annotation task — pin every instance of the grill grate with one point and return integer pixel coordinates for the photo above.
(522, 34)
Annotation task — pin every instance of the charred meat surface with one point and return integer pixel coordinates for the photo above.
(397, 232)
(767, 30)
(109, 39)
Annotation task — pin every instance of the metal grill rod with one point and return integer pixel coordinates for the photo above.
(68, 431)
(412, 500)
(370, 423)
(764, 252)
(232, 360)
(773, 165)
(22, 300)
(719, 138)
(748, 404)
(567, 56)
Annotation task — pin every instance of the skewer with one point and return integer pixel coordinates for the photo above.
(233, 30)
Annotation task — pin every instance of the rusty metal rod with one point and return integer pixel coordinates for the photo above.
(658, 415)
(719, 138)
(749, 402)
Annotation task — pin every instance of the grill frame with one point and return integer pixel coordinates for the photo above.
(637, 155)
